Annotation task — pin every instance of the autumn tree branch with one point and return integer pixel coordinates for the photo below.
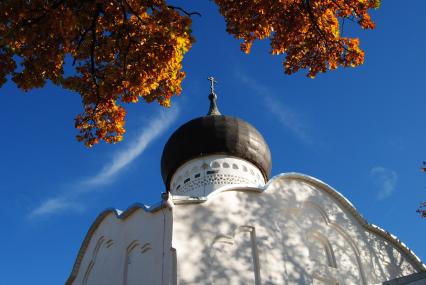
(189, 14)
(313, 19)
(92, 55)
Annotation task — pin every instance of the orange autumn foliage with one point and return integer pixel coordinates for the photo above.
(127, 50)
(306, 31)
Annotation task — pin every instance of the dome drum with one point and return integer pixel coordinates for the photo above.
(202, 176)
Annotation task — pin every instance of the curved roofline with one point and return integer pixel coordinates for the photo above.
(351, 208)
(122, 215)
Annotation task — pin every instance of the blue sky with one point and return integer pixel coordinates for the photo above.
(361, 130)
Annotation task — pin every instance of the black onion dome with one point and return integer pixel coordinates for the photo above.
(215, 134)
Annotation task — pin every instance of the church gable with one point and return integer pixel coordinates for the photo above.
(348, 249)
(125, 248)
(298, 231)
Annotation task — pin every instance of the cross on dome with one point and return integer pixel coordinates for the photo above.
(212, 82)
(213, 110)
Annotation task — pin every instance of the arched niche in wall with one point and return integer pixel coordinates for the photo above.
(340, 247)
(137, 265)
(318, 248)
(234, 259)
(101, 264)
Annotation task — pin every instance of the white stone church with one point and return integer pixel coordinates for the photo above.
(223, 220)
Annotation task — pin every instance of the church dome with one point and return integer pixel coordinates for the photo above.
(213, 135)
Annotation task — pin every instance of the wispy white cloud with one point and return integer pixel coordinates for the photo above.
(54, 205)
(385, 180)
(288, 118)
(71, 198)
(123, 158)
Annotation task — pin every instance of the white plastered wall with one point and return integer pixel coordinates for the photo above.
(125, 249)
(295, 232)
